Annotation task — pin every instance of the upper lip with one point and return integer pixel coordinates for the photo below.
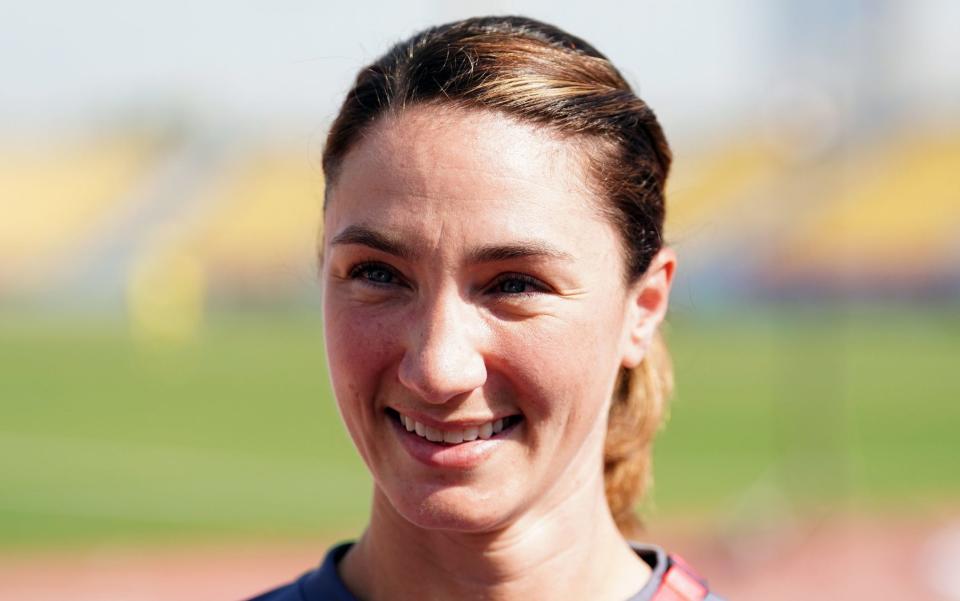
(451, 423)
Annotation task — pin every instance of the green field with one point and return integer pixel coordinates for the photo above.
(235, 435)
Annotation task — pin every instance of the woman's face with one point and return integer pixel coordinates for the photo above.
(473, 294)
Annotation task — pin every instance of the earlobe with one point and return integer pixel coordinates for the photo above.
(647, 302)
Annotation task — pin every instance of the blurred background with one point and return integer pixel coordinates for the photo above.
(166, 428)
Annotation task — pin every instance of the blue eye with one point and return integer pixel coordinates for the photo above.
(515, 283)
(375, 273)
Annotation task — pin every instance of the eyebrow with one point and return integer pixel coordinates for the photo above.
(358, 234)
(365, 236)
(518, 250)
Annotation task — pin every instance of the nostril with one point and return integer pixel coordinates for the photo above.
(439, 377)
(443, 357)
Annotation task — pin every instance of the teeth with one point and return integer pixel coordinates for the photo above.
(484, 431)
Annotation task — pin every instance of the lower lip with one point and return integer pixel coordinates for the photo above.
(463, 456)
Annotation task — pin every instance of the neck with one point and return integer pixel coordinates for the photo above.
(557, 554)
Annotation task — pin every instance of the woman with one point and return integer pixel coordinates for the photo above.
(494, 277)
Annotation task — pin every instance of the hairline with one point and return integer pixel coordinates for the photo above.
(592, 144)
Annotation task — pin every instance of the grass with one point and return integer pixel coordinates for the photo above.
(103, 439)
(855, 407)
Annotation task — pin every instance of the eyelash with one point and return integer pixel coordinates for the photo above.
(358, 273)
(526, 279)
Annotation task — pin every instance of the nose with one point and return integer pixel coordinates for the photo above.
(442, 358)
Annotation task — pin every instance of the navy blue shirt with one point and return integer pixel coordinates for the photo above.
(324, 583)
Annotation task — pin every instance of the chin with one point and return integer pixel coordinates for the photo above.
(453, 508)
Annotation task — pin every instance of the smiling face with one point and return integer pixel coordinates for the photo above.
(475, 316)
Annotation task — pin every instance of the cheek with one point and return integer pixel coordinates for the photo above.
(565, 371)
(358, 340)
(356, 343)
(360, 348)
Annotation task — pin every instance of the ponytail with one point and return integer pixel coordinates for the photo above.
(637, 411)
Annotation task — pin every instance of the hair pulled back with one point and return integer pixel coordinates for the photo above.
(541, 75)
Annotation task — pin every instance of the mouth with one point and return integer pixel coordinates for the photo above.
(456, 435)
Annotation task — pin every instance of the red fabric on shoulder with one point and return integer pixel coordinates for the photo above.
(680, 583)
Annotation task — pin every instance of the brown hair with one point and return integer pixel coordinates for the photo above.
(542, 75)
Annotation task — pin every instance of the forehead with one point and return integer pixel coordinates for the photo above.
(468, 172)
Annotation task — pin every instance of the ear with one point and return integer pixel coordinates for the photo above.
(647, 300)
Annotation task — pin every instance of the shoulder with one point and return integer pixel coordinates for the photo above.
(320, 584)
(671, 578)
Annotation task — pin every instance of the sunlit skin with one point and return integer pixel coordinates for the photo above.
(469, 275)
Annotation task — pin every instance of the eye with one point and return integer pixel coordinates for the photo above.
(516, 284)
(377, 274)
